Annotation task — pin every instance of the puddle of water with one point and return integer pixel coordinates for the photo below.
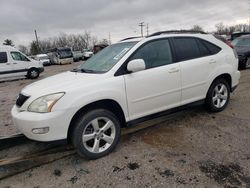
(163, 135)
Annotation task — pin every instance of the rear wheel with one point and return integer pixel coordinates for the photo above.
(218, 95)
(96, 134)
(33, 73)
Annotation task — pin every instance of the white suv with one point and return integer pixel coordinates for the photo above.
(123, 84)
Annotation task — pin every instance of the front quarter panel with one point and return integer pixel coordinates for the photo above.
(111, 88)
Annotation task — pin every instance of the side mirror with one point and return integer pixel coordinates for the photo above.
(136, 65)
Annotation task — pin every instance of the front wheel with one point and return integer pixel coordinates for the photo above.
(218, 95)
(96, 134)
(33, 73)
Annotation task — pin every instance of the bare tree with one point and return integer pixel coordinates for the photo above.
(220, 28)
(75, 41)
(197, 28)
(23, 49)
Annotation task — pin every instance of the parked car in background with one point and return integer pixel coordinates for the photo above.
(242, 47)
(32, 56)
(124, 84)
(44, 58)
(77, 55)
(87, 54)
(223, 39)
(60, 55)
(15, 63)
(238, 34)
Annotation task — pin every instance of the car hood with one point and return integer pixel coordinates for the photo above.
(242, 49)
(63, 82)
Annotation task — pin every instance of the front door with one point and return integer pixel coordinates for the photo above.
(159, 86)
(20, 63)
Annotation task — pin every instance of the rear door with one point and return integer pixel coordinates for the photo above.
(5, 66)
(197, 61)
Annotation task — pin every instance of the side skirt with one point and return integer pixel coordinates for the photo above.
(164, 113)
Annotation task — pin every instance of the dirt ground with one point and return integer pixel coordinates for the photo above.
(193, 149)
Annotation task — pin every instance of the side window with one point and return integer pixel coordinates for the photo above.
(3, 57)
(156, 53)
(18, 56)
(186, 48)
(211, 47)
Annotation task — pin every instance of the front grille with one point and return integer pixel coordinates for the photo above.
(21, 100)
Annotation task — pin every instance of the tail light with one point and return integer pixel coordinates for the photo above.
(229, 44)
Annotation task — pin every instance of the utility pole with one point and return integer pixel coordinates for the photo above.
(141, 24)
(147, 30)
(109, 39)
(36, 39)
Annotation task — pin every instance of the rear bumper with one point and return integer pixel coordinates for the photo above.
(234, 88)
(235, 80)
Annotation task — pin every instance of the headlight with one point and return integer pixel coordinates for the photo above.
(45, 103)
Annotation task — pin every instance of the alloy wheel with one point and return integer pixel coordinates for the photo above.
(99, 135)
(220, 95)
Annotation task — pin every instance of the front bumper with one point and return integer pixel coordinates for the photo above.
(66, 61)
(57, 122)
(40, 69)
(242, 60)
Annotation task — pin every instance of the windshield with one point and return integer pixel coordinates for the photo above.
(104, 60)
(65, 53)
(241, 42)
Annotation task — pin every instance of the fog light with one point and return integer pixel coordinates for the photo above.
(42, 130)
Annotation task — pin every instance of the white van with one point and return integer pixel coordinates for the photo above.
(14, 63)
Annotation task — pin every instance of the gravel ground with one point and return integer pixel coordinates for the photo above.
(193, 149)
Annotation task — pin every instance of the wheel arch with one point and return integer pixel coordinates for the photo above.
(108, 104)
(225, 76)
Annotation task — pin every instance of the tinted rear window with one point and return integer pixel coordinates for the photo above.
(204, 51)
(3, 57)
(186, 48)
(211, 47)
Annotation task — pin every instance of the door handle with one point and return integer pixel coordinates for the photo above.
(7, 63)
(211, 61)
(173, 70)
(14, 63)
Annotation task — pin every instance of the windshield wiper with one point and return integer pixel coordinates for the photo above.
(87, 70)
(75, 70)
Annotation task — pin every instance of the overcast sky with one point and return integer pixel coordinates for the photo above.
(120, 18)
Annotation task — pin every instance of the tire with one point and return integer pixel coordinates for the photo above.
(246, 63)
(100, 125)
(218, 95)
(33, 73)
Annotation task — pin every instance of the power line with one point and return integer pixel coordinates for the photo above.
(141, 24)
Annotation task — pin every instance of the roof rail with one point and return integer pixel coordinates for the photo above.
(176, 32)
(129, 38)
